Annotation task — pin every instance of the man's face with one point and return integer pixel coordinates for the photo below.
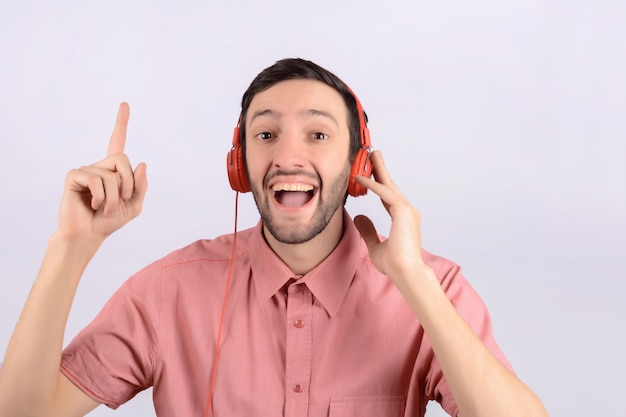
(297, 156)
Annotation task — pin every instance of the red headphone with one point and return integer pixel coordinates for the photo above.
(238, 176)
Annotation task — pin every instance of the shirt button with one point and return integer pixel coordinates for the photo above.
(298, 388)
(298, 324)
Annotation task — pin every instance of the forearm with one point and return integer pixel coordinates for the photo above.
(30, 372)
(480, 383)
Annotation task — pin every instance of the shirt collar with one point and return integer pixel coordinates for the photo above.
(329, 281)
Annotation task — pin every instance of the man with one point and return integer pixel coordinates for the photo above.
(306, 314)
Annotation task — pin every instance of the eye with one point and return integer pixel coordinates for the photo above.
(319, 136)
(265, 135)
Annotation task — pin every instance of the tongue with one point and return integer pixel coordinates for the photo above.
(293, 198)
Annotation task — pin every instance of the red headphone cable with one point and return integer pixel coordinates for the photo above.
(223, 313)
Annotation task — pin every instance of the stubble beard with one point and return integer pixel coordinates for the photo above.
(323, 214)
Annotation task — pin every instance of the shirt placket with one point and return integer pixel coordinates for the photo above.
(298, 350)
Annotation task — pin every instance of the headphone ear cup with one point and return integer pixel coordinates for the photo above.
(360, 166)
(236, 166)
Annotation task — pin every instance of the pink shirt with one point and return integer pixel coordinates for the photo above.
(339, 341)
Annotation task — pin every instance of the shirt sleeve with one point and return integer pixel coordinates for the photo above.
(474, 311)
(112, 359)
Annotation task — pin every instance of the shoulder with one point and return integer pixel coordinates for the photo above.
(203, 251)
(443, 267)
(196, 259)
(440, 265)
(203, 262)
(448, 273)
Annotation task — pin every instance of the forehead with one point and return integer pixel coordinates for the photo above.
(298, 96)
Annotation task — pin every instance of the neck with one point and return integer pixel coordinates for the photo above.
(303, 257)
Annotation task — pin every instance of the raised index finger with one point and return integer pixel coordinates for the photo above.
(118, 137)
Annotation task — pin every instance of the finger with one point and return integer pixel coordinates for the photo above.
(386, 193)
(109, 183)
(125, 176)
(140, 189)
(88, 180)
(96, 188)
(367, 230)
(81, 181)
(121, 165)
(381, 173)
(118, 137)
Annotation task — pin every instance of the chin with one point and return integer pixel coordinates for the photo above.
(293, 235)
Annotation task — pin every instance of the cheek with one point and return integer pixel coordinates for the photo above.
(340, 162)
(335, 176)
(254, 169)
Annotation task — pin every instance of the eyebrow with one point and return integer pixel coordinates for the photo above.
(308, 113)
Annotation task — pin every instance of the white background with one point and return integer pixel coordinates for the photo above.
(503, 122)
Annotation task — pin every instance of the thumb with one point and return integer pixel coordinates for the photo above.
(367, 230)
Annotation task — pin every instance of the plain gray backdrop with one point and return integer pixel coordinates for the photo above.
(503, 122)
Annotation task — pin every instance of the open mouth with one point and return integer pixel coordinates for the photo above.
(293, 195)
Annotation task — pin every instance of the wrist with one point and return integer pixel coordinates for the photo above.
(74, 252)
(415, 277)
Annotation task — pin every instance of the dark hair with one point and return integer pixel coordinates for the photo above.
(297, 68)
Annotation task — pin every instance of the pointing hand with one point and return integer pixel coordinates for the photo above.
(102, 197)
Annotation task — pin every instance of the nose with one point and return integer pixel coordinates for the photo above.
(289, 150)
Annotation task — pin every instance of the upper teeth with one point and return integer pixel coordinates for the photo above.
(292, 187)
